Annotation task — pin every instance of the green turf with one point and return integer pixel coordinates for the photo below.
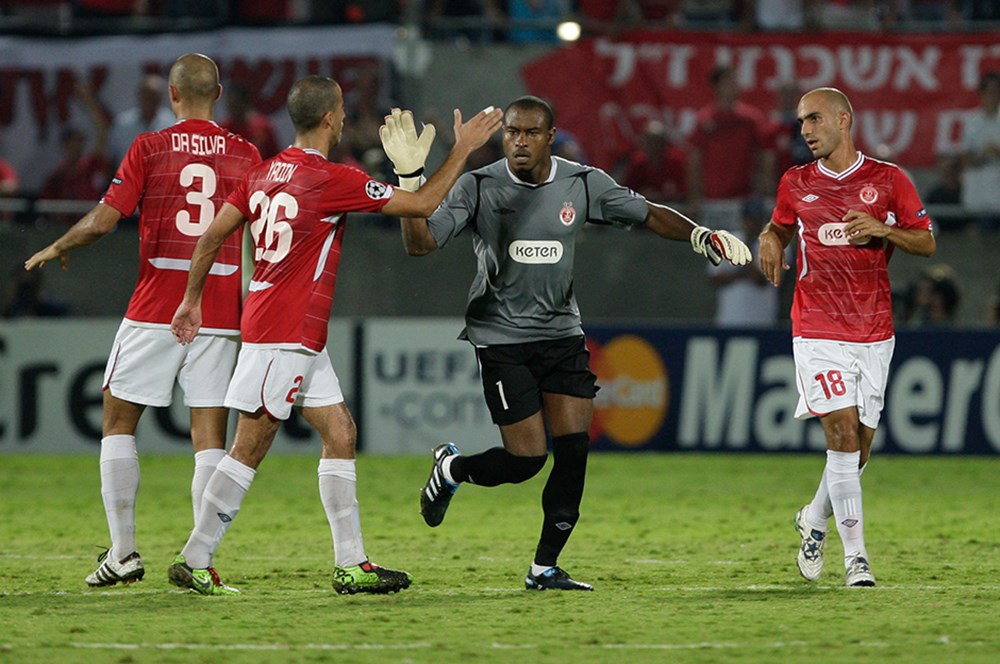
(692, 557)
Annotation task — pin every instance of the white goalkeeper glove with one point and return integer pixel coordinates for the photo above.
(716, 245)
(405, 149)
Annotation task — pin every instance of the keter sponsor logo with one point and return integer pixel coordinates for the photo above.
(536, 252)
(631, 405)
(833, 235)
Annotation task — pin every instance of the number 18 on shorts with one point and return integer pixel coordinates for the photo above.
(833, 375)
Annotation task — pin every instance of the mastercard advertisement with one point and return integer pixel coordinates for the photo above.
(634, 396)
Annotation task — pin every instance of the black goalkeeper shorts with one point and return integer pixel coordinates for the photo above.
(515, 375)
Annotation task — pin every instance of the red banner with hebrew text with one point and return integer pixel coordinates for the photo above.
(910, 92)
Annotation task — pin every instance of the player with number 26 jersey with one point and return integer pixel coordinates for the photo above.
(179, 177)
(299, 199)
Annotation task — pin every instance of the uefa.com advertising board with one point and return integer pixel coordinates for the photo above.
(411, 384)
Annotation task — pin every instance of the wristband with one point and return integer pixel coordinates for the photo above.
(411, 183)
(414, 174)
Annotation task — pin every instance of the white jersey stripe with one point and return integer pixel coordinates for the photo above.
(183, 265)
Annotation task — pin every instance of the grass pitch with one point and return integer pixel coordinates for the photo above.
(692, 557)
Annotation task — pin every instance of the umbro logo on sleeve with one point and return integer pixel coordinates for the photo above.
(809, 198)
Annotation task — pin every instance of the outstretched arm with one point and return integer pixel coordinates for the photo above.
(187, 318)
(713, 245)
(89, 229)
(414, 200)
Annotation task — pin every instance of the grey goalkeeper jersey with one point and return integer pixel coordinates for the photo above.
(525, 242)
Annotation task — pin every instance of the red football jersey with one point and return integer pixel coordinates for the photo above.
(297, 203)
(842, 291)
(179, 177)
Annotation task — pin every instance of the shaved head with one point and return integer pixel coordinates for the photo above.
(834, 99)
(196, 77)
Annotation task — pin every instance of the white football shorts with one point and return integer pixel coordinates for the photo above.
(832, 375)
(145, 362)
(276, 379)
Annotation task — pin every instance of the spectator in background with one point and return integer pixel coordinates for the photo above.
(9, 182)
(790, 148)
(935, 296)
(245, 121)
(109, 8)
(148, 115)
(981, 155)
(536, 10)
(656, 168)
(730, 159)
(484, 11)
(947, 190)
(744, 296)
(81, 175)
(980, 10)
(24, 297)
(695, 12)
(852, 14)
(786, 15)
(993, 309)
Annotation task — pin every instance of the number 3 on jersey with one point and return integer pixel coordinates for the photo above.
(200, 196)
(272, 238)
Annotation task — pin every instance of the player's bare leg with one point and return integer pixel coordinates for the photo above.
(121, 563)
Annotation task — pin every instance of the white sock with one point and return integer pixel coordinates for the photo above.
(220, 503)
(820, 510)
(204, 465)
(536, 569)
(845, 495)
(338, 480)
(119, 487)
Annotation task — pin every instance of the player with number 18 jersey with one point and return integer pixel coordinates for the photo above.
(297, 203)
(843, 292)
(179, 177)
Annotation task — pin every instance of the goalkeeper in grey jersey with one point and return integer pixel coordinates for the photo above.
(525, 212)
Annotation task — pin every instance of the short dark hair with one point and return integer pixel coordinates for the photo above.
(719, 72)
(310, 99)
(533, 103)
(987, 78)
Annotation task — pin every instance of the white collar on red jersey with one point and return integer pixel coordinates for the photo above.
(843, 174)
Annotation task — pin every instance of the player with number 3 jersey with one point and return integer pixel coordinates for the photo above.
(181, 175)
(850, 212)
(178, 178)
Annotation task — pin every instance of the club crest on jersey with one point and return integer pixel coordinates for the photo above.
(376, 190)
(868, 194)
(567, 214)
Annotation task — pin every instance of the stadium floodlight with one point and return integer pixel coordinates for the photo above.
(568, 31)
